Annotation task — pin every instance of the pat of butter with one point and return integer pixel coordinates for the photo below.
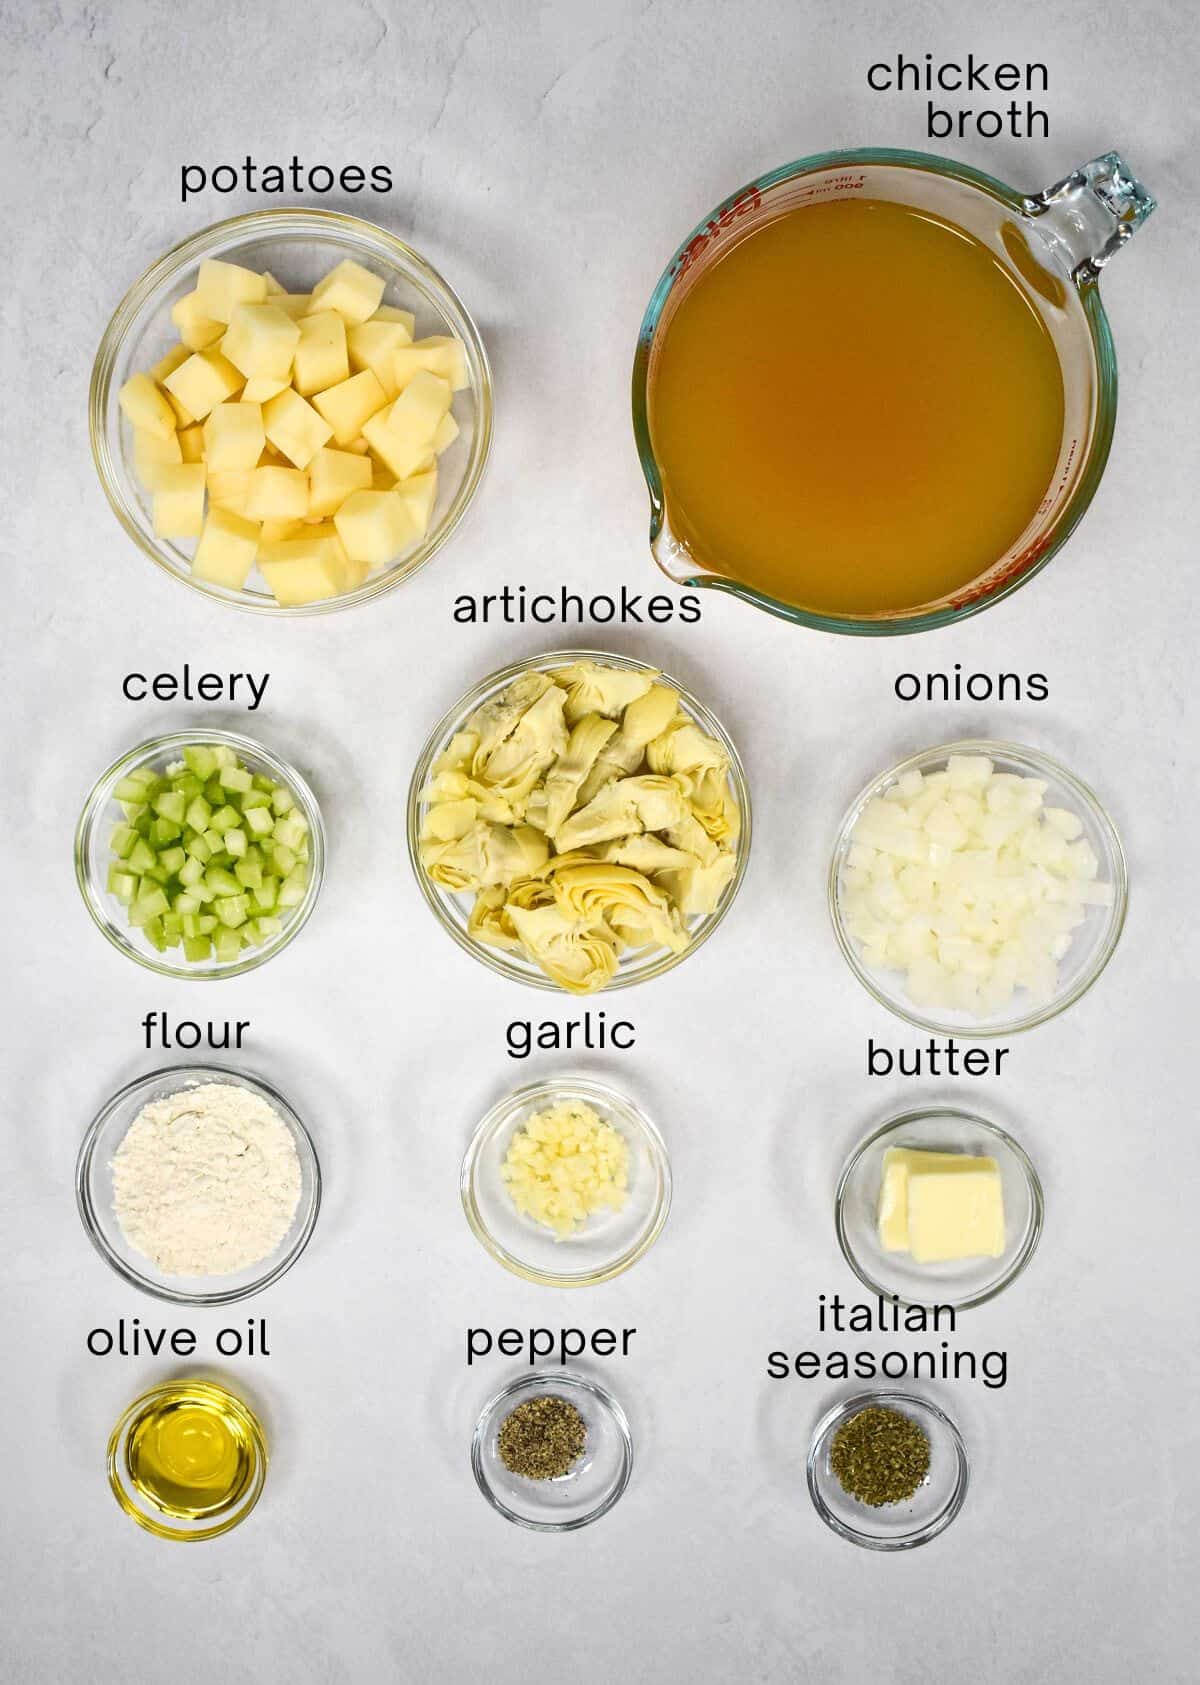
(898, 1164)
(956, 1214)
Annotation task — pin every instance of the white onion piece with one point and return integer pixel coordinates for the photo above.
(970, 885)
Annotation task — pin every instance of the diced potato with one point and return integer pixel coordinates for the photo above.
(445, 433)
(183, 415)
(179, 500)
(152, 452)
(419, 494)
(145, 407)
(222, 286)
(374, 526)
(191, 442)
(295, 304)
(402, 438)
(204, 381)
(295, 428)
(260, 387)
(302, 570)
(438, 355)
(382, 478)
(395, 454)
(168, 364)
(373, 345)
(262, 339)
(350, 403)
(388, 313)
(277, 494)
(274, 287)
(233, 436)
(333, 475)
(359, 446)
(228, 488)
(321, 359)
(196, 330)
(226, 551)
(274, 531)
(351, 290)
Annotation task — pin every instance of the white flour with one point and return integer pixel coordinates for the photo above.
(206, 1181)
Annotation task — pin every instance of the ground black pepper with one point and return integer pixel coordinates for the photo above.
(880, 1456)
(542, 1438)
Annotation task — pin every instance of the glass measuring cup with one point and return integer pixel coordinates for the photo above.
(1056, 241)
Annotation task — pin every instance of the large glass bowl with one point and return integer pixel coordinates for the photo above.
(610, 1241)
(453, 911)
(97, 1209)
(298, 247)
(1092, 943)
(93, 855)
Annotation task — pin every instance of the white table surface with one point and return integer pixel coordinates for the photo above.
(547, 158)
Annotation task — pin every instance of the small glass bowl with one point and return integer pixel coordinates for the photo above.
(1092, 944)
(903, 1526)
(588, 1490)
(94, 1190)
(971, 1281)
(453, 911)
(93, 855)
(297, 246)
(610, 1241)
(170, 1523)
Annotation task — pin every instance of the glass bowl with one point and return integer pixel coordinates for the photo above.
(902, 1526)
(297, 246)
(452, 911)
(610, 1241)
(93, 855)
(94, 1190)
(180, 1524)
(588, 1490)
(970, 1281)
(1092, 943)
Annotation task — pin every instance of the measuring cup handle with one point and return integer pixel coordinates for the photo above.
(1090, 214)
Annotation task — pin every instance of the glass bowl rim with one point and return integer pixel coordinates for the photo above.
(151, 749)
(495, 959)
(615, 1102)
(226, 1523)
(888, 1399)
(283, 222)
(610, 1407)
(85, 1204)
(1103, 352)
(999, 749)
(919, 1114)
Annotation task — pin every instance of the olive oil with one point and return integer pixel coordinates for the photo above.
(855, 410)
(187, 1460)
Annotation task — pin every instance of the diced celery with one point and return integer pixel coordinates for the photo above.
(141, 856)
(255, 798)
(184, 904)
(158, 873)
(214, 841)
(208, 923)
(235, 842)
(200, 760)
(227, 944)
(132, 810)
(151, 902)
(199, 850)
(249, 874)
(223, 755)
(262, 782)
(131, 788)
(172, 859)
(225, 819)
(122, 840)
(258, 820)
(199, 812)
(144, 823)
(232, 910)
(188, 785)
(268, 926)
(197, 948)
(290, 830)
(121, 884)
(293, 888)
(201, 891)
(283, 859)
(214, 795)
(153, 932)
(170, 805)
(172, 925)
(250, 933)
(164, 831)
(282, 800)
(266, 899)
(191, 872)
(221, 882)
(237, 778)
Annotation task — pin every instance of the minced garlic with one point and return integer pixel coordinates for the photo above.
(564, 1164)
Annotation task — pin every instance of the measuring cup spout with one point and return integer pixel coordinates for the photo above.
(1089, 215)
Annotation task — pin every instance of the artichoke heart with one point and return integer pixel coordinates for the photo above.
(564, 778)
(593, 689)
(489, 921)
(601, 892)
(641, 722)
(536, 741)
(647, 803)
(486, 855)
(683, 747)
(494, 719)
(696, 890)
(715, 808)
(648, 854)
(576, 958)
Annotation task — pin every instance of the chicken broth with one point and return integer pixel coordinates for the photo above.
(855, 410)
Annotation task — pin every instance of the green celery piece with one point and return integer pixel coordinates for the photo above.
(262, 782)
(132, 810)
(122, 840)
(199, 812)
(226, 819)
(190, 924)
(232, 910)
(235, 842)
(283, 859)
(255, 798)
(213, 839)
(170, 805)
(152, 930)
(223, 755)
(185, 904)
(266, 898)
(158, 874)
(236, 778)
(208, 923)
(221, 882)
(200, 760)
(253, 855)
(172, 925)
(151, 903)
(172, 859)
(249, 874)
(144, 823)
(165, 831)
(141, 856)
(201, 891)
(199, 850)
(293, 888)
(258, 820)
(121, 884)
(282, 800)
(214, 795)
(191, 872)
(131, 788)
(250, 934)
(269, 926)
(227, 944)
(290, 830)
(196, 948)
(188, 785)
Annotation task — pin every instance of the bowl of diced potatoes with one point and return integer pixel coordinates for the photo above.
(291, 411)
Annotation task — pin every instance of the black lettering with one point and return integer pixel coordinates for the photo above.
(905, 67)
(164, 687)
(352, 179)
(1037, 687)
(807, 1365)
(325, 183)
(602, 609)
(1045, 75)
(934, 120)
(994, 1366)
(901, 680)
(183, 1342)
(187, 185)
(604, 1342)
(509, 1342)
(209, 687)
(100, 1342)
(689, 610)
(875, 1056)
(229, 1342)
(622, 1027)
(541, 1343)
(520, 1039)
(381, 178)
(273, 179)
(1006, 77)
(230, 176)
(974, 682)
(976, 74)
(950, 83)
(879, 87)
(464, 610)
(995, 122)
(660, 610)
(777, 1365)
(474, 1348)
(1033, 116)
(864, 1367)
(626, 1335)
(549, 614)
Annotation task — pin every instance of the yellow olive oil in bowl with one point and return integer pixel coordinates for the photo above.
(187, 1460)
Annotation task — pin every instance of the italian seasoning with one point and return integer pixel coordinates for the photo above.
(880, 1456)
(542, 1439)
